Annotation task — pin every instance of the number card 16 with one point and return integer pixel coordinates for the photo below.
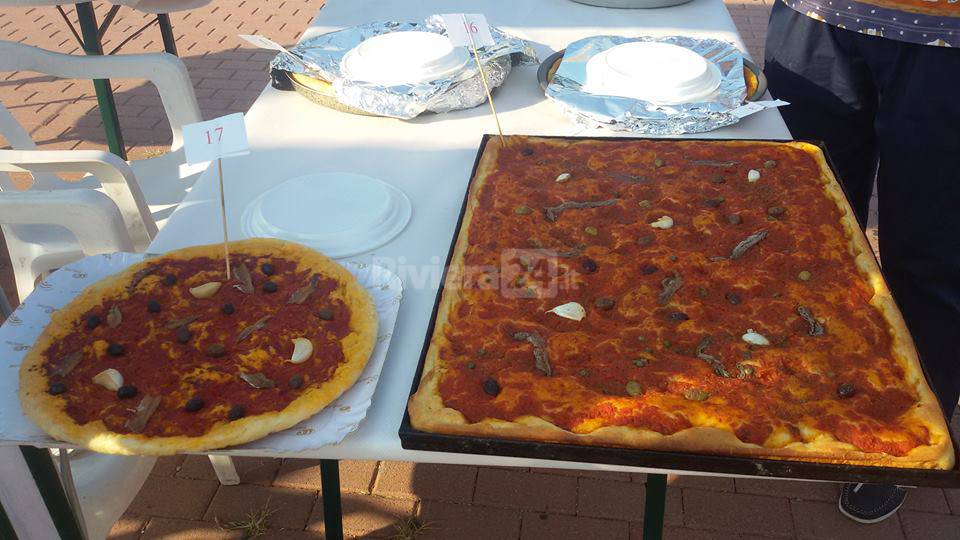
(221, 137)
(462, 26)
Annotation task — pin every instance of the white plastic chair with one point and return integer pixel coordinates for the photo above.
(146, 191)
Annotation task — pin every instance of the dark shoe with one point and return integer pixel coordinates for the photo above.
(870, 503)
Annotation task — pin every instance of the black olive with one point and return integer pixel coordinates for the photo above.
(93, 321)
(679, 316)
(169, 280)
(116, 349)
(183, 334)
(236, 412)
(589, 265)
(153, 306)
(56, 389)
(267, 269)
(713, 203)
(733, 298)
(227, 309)
(776, 211)
(491, 387)
(296, 381)
(126, 391)
(649, 269)
(325, 314)
(604, 303)
(846, 390)
(270, 287)
(215, 350)
(527, 151)
(194, 404)
(734, 219)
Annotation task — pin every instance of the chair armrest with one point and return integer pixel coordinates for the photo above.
(165, 71)
(115, 176)
(90, 215)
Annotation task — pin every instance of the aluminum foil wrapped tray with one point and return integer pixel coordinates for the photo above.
(636, 115)
(462, 90)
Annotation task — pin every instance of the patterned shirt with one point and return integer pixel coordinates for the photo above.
(928, 22)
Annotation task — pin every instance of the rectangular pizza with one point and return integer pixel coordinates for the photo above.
(710, 297)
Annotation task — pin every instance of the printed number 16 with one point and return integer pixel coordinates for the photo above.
(470, 27)
(219, 131)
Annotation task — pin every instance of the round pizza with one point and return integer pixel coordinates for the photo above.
(169, 355)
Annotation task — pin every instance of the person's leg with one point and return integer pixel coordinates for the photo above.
(816, 67)
(918, 127)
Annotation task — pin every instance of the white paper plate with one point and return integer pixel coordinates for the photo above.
(656, 72)
(329, 426)
(339, 214)
(403, 58)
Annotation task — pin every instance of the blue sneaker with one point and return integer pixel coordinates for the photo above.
(870, 503)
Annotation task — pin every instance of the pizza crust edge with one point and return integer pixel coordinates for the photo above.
(428, 413)
(47, 411)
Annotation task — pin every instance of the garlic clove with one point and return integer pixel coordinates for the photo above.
(754, 338)
(664, 222)
(570, 310)
(206, 290)
(563, 177)
(302, 349)
(753, 175)
(110, 379)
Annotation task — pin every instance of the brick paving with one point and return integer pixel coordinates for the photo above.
(183, 500)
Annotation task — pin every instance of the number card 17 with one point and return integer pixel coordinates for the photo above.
(221, 137)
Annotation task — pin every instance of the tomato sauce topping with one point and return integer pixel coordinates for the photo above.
(159, 359)
(661, 346)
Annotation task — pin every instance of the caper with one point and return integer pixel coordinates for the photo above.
(673, 258)
(270, 287)
(591, 230)
(718, 179)
(696, 394)
(645, 239)
(296, 381)
(153, 306)
(776, 211)
(769, 164)
(649, 269)
(734, 219)
(93, 321)
(657, 162)
(640, 362)
(714, 203)
(733, 298)
(589, 265)
(325, 314)
(634, 388)
(527, 151)
(584, 373)
(183, 334)
(679, 316)
(804, 275)
(56, 389)
(645, 204)
(702, 292)
(522, 210)
(169, 280)
(227, 309)
(215, 350)
(471, 364)
(667, 343)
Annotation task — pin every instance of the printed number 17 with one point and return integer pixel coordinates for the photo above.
(219, 131)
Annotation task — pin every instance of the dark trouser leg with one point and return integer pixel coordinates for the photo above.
(814, 66)
(919, 194)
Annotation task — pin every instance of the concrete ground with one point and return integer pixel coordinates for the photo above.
(182, 498)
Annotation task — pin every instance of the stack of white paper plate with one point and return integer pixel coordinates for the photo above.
(656, 72)
(403, 58)
(340, 214)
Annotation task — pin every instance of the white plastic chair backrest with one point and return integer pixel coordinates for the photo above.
(19, 139)
(91, 216)
(165, 71)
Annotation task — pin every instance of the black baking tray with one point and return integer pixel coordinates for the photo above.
(413, 439)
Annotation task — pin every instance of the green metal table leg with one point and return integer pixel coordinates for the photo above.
(332, 512)
(654, 506)
(108, 108)
(166, 32)
(51, 490)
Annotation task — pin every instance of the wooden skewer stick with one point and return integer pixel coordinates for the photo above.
(223, 214)
(483, 78)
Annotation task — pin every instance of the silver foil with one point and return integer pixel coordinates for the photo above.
(636, 115)
(461, 91)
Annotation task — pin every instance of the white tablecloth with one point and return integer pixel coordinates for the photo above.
(430, 159)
